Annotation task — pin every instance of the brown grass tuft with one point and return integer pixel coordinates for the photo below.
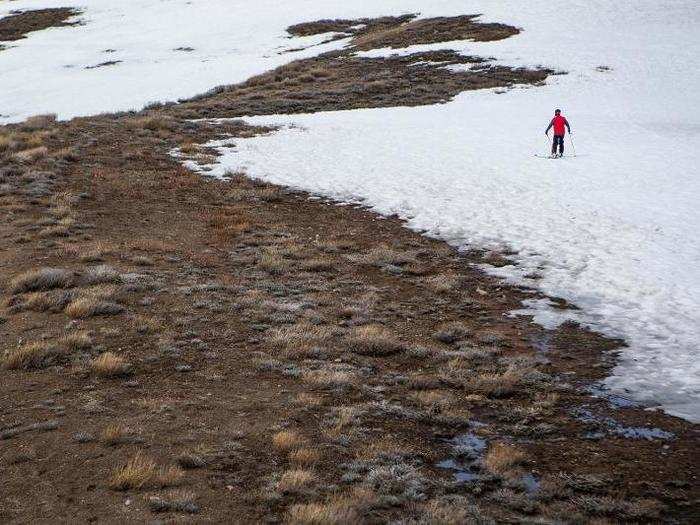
(137, 473)
(287, 440)
(76, 341)
(114, 434)
(42, 279)
(31, 155)
(374, 340)
(335, 512)
(502, 457)
(304, 457)
(86, 307)
(297, 480)
(140, 472)
(110, 365)
(30, 356)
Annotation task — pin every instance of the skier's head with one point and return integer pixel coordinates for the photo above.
(557, 111)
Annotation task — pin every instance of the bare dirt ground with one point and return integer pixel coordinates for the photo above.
(178, 349)
(19, 24)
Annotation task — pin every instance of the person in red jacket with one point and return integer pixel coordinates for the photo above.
(559, 122)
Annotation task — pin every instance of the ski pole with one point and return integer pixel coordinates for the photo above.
(572, 144)
(549, 146)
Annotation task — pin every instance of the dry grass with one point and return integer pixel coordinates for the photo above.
(318, 265)
(54, 232)
(330, 378)
(502, 457)
(110, 365)
(31, 155)
(338, 511)
(226, 223)
(297, 480)
(76, 341)
(39, 122)
(41, 280)
(308, 399)
(102, 274)
(271, 261)
(86, 307)
(114, 434)
(300, 339)
(496, 385)
(152, 123)
(374, 340)
(287, 440)
(304, 457)
(443, 283)
(384, 255)
(137, 473)
(141, 472)
(44, 301)
(31, 356)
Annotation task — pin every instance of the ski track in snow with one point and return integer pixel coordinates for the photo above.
(613, 231)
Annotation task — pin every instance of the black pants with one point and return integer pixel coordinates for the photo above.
(558, 139)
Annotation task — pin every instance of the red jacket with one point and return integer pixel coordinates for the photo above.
(559, 123)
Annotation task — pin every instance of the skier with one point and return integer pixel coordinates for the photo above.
(559, 122)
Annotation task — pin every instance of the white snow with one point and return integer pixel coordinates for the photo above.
(613, 231)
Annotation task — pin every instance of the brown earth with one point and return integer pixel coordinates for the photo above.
(18, 25)
(254, 354)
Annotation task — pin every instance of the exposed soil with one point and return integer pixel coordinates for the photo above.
(280, 358)
(18, 25)
(404, 31)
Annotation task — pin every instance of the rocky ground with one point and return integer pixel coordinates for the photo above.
(176, 348)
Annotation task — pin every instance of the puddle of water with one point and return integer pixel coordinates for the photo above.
(467, 450)
(597, 390)
(531, 483)
(605, 424)
(462, 473)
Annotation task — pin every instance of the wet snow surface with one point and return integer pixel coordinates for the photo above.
(613, 230)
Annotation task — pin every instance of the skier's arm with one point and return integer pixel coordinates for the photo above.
(568, 128)
(551, 123)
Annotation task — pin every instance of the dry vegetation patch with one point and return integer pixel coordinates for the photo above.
(41, 280)
(110, 365)
(374, 340)
(31, 356)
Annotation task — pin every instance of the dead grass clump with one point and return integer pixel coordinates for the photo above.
(287, 440)
(294, 481)
(502, 457)
(102, 274)
(496, 385)
(226, 223)
(451, 332)
(189, 148)
(42, 279)
(443, 282)
(335, 512)
(330, 378)
(137, 473)
(31, 155)
(318, 265)
(114, 434)
(304, 457)
(271, 261)
(309, 399)
(53, 301)
(374, 340)
(52, 232)
(180, 501)
(190, 460)
(110, 365)
(152, 123)
(140, 472)
(39, 122)
(300, 339)
(384, 255)
(87, 307)
(76, 341)
(31, 356)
